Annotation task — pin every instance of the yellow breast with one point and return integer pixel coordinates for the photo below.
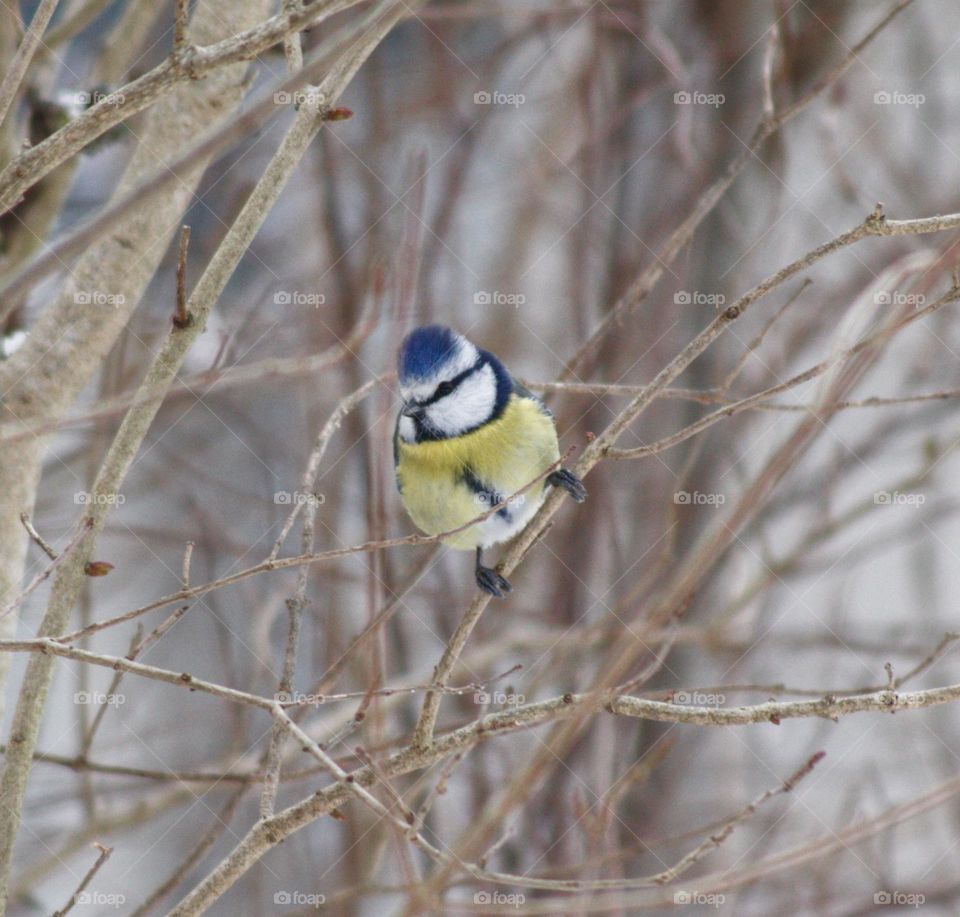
(504, 455)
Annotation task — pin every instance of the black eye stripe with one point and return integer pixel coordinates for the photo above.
(453, 383)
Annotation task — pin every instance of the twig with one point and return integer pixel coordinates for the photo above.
(292, 46)
(185, 570)
(769, 57)
(33, 164)
(17, 68)
(44, 574)
(91, 872)
(681, 236)
(717, 837)
(120, 456)
(35, 535)
(603, 445)
(299, 560)
(206, 382)
(180, 29)
(941, 649)
(438, 789)
(86, 742)
(736, 407)
(758, 339)
(220, 824)
(333, 423)
(329, 678)
(181, 318)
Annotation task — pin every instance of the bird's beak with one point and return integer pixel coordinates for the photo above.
(411, 410)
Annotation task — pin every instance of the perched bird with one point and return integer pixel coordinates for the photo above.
(468, 437)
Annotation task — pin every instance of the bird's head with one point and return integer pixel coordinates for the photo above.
(448, 386)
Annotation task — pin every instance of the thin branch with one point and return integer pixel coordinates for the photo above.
(86, 880)
(681, 236)
(21, 60)
(220, 824)
(181, 317)
(300, 559)
(45, 573)
(35, 535)
(33, 164)
(180, 28)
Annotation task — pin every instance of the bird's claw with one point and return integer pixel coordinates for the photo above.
(492, 582)
(569, 482)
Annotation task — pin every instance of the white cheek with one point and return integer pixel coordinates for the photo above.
(407, 429)
(469, 406)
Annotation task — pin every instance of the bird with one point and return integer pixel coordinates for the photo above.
(467, 438)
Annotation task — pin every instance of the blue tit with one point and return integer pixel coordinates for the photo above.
(467, 438)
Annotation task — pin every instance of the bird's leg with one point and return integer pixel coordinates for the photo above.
(569, 482)
(489, 580)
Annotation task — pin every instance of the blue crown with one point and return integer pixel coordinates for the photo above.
(425, 350)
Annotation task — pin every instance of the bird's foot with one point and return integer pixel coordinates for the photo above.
(569, 482)
(491, 582)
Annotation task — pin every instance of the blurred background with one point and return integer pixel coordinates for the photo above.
(510, 170)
